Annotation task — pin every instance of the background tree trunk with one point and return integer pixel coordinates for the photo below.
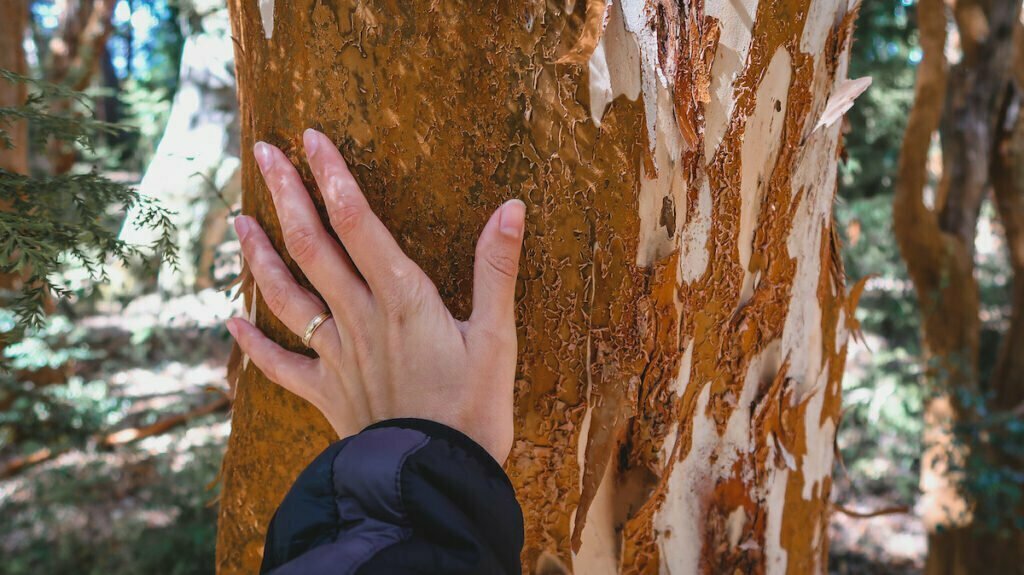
(76, 53)
(196, 169)
(973, 105)
(14, 19)
(682, 311)
(13, 24)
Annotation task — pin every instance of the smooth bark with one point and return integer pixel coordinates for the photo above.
(13, 24)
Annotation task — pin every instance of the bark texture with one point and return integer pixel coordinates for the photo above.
(682, 311)
(972, 104)
(13, 24)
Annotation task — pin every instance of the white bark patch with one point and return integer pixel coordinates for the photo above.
(820, 19)
(667, 182)
(815, 176)
(679, 522)
(817, 463)
(711, 459)
(600, 542)
(762, 140)
(842, 332)
(694, 240)
(776, 557)
(637, 16)
(614, 66)
(685, 364)
(735, 20)
(734, 525)
(267, 16)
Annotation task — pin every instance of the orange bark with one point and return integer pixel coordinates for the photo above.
(681, 307)
(13, 24)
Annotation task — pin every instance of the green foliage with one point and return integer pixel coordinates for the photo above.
(150, 81)
(51, 221)
(36, 414)
(990, 476)
(75, 519)
(881, 433)
(885, 48)
(880, 438)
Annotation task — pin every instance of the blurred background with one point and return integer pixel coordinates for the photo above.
(114, 405)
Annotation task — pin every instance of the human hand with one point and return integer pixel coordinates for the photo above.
(391, 348)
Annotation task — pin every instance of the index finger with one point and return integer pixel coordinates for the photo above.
(368, 242)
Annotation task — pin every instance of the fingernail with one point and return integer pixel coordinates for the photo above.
(513, 214)
(310, 141)
(232, 329)
(242, 226)
(262, 153)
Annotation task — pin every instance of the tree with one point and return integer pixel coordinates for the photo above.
(76, 51)
(682, 310)
(13, 23)
(195, 169)
(973, 106)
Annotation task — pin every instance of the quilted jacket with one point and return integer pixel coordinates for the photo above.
(403, 496)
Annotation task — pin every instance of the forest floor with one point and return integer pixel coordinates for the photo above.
(149, 505)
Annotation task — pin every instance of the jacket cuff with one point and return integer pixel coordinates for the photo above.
(456, 438)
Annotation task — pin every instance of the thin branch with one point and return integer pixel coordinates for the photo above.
(894, 510)
(915, 226)
(15, 465)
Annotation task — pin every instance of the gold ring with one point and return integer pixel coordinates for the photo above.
(313, 324)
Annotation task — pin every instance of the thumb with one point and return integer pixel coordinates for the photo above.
(496, 267)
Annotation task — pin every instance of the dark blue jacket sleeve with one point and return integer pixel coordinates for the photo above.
(403, 496)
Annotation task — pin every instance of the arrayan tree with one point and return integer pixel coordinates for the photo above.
(195, 169)
(14, 18)
(682, 311)
(13, 24)
(974, 104)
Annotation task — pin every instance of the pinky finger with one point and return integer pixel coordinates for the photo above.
(292, 371)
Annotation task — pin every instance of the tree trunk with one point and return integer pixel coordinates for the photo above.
(682, 313)
(14, 158)
(13, 24)
(195, 170)
(76, 52)
(968, 104)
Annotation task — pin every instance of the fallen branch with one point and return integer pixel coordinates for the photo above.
(160, 426)
(18, 464)
(15, 465)
(869, 514)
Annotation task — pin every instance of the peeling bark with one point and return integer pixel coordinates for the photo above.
(682, 310)
(967, 103)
